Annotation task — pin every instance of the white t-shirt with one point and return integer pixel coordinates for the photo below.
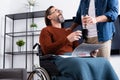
(92, 28)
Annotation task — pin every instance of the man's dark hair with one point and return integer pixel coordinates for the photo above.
(48, 12)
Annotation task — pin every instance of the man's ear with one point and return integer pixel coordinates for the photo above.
(49, 17)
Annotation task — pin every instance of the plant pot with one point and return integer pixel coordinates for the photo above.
(31, 8)
(19, 49)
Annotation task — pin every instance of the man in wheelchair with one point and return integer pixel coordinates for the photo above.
(58, 41)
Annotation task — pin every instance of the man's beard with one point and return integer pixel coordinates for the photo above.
(60, 19)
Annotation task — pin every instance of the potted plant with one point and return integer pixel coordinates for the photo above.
(33, 25)
(20, 43)
(31, 4)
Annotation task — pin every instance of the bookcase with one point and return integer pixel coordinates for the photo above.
(12, 33)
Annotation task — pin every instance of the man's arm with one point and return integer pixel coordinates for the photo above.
(73, 26)
(91, 20)
(46, 43)
(102, 18)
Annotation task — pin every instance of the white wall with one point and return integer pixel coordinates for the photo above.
(119, 7)
(69, 8)
(4, 9)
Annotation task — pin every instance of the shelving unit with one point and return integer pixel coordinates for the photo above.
(12, 34)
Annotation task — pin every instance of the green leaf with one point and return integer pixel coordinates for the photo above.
(20, 43)
(33, 25)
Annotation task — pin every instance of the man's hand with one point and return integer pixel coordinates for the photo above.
(74, 36)
(88, 20)
(94, 53)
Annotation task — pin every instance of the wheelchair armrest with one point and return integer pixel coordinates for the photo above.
(47, 57)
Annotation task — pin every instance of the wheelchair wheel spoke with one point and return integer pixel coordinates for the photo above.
(39, 74)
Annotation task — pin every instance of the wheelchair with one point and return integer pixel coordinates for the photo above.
(46, 68)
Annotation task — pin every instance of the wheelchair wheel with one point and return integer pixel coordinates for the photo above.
(39, 74)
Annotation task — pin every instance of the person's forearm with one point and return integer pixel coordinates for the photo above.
(101, 19)
(74, 25)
